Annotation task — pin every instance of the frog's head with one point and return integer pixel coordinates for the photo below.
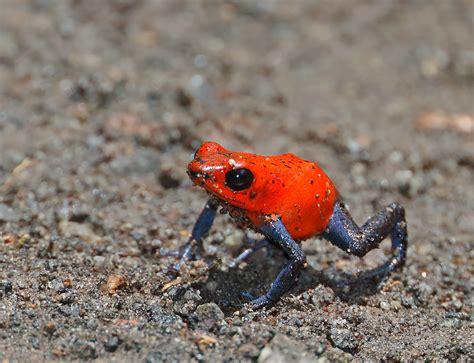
(226, 174)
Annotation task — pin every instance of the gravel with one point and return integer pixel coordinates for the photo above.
(102, 105)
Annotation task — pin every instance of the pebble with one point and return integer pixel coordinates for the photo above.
(423, 294)
(282, 349)
(5, 287)
(409, 184)
(384, 305)
(142, 161)
(67, 298)
(114, 282)
(434, 63)
(341, 336)
(322, 296)
(464, 64)
(80, 230)
(49, 328)
(57, 285)
(249, 350)
(209, 311)
(199, 88)
(169, 179)
(192, 295)
(8, 214)
(112, 343)
(99, 261)
(164, 319)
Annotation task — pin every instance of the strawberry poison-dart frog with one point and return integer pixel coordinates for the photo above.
(286, 199)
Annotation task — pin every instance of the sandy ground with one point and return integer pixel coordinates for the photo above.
(101, 106)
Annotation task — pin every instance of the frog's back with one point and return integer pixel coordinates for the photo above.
(300, 192)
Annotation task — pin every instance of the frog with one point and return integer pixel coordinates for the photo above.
(286, 199)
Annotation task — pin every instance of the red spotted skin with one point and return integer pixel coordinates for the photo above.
(297, 190)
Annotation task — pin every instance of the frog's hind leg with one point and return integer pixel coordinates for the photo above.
(344, 233)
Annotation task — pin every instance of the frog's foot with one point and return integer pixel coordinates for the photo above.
(277, 233)
(249, 251)
(256, 303)
(193, 249)
(190, 251)
(382, 272)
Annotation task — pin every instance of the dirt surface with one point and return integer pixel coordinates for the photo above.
(101, 106)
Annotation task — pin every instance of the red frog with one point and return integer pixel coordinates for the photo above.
(287, 199)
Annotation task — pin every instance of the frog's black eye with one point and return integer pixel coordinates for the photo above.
(239, 179)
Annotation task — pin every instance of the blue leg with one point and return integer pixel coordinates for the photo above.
(247, 252)
(193, 248)
(344, 233)
(277, 233)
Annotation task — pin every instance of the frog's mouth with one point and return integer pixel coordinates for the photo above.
(197, 175)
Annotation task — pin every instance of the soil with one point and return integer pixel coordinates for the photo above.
(101, 107)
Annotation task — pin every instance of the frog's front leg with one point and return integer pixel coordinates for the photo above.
(256, 246)
(193, 248)
(344, 233)
(277, 233)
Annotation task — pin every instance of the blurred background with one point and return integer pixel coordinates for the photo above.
(102, 104)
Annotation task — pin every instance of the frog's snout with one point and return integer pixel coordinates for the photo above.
(195, 171)
(197, 175)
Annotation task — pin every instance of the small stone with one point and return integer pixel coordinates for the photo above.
(407, 301)
(463, 65)
(434, 62)
(199, 88)
(8, 214)
(265, 355)
(192, 295)
(80, 230)
(130, 261)
(70, 310)
(249, 350)
(57, 285)
(423, 294)
(5, 287)
(112, 343)
(384, 306)
(163, 318)
(341, 337)
(35, 343)
(49, 328)
(183, 99)
(209, 311)
(169, 179)
(282, 349)
(140, 162)
(67, 298)
(396, 305)
(114, 282)
(322, 296)
(409, 184)
(99, 261)
(457, 305)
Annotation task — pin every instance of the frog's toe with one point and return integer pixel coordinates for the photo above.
(247, 295)
(261, 302)
(189, 252)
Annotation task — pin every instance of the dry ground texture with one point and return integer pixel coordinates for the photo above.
(103, 102)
